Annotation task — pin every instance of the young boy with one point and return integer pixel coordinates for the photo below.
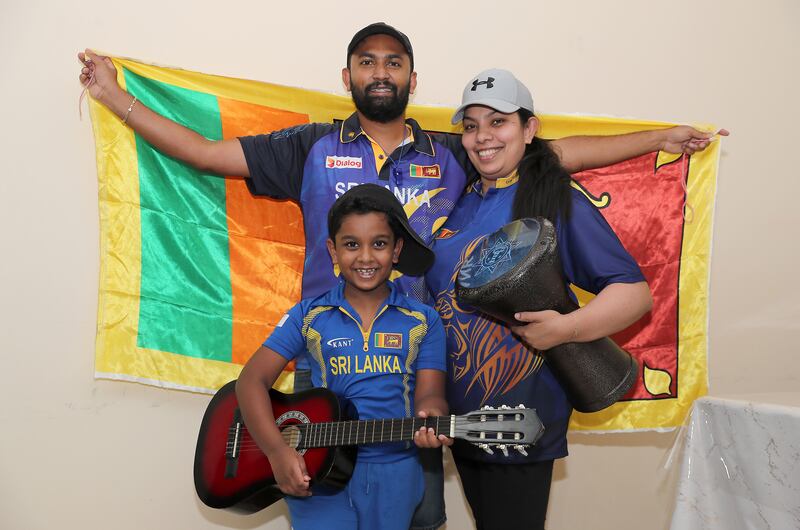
(381, 351)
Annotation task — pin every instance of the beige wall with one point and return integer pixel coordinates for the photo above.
(76, 453)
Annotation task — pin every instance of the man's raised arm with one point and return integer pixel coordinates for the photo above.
(225, 157)
(579, 153)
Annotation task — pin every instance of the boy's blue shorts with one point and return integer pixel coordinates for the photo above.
(379, 495)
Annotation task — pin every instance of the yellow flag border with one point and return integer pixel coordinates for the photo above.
(694, 276)
(116, 147)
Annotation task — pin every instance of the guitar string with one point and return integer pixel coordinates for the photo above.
(336, 427)
(248, 448)
(336, 431)
(292, 437)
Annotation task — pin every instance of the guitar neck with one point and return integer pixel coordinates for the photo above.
(368, 431)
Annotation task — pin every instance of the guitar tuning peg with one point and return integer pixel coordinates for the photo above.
(503, 448)
(486, 448)
(487, 407)
(521, 449)
(520, 406)
(505, 407)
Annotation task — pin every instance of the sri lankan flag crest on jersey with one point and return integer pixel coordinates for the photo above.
(426, 172)
(389, 340)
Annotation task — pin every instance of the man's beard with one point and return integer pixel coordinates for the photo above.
(381, 109)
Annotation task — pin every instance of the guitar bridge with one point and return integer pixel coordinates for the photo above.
(233, 445)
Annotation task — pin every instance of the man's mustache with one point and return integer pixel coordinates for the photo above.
(381, 84)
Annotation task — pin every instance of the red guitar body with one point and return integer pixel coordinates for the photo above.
(231, 472)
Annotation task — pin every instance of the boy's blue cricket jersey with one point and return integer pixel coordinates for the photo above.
(373, 369)
(487, 365)
(314, 164)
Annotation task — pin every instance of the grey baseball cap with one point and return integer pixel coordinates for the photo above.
(495, 88)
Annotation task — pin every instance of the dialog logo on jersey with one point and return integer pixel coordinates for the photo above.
(425, 172)
(343, 162)
(389, 340)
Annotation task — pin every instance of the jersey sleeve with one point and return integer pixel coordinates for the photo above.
(452, 142)
(287, 339)
(592, 255)
(276, 160)
(432, 348)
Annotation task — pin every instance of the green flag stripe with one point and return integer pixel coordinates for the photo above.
(185, 302)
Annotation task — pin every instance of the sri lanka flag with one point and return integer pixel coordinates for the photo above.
(195, 272)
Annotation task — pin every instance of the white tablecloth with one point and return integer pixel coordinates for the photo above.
(741, 464)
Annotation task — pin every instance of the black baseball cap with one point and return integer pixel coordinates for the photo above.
(379, 28)
(415, 256)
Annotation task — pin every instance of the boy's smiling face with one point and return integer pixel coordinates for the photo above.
(365, 250)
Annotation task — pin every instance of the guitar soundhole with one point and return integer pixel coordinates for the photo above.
(288, 423)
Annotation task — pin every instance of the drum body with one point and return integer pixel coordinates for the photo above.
(517, 269)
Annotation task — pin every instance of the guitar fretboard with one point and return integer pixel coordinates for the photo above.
(366, 431)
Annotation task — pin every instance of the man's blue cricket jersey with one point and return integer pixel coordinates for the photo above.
(314, 164)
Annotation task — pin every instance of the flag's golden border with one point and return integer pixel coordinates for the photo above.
(118, 357)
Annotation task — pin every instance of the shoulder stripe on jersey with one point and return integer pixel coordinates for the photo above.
(314, 340)
(415, 336)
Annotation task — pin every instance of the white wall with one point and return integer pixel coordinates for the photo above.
(76, 453)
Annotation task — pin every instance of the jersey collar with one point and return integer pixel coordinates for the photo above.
(508, 181)
(335, 297)
(505, 182)
(351, 129)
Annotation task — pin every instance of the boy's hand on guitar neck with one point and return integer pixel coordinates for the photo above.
(427, 438)
(290, 472)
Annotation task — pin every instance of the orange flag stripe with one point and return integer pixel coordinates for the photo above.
(265, 236)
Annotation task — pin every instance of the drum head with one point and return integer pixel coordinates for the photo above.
(499, 252)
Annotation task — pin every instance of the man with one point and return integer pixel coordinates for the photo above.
(313, 164)
(375, 144)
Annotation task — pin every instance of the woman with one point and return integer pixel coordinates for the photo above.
(490, 363)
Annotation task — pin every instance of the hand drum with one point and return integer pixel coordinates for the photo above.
(516, 269)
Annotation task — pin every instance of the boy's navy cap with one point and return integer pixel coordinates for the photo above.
(415, 257)
(380, 28)
(497, 89)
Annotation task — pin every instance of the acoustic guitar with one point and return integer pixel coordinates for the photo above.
(231, 472)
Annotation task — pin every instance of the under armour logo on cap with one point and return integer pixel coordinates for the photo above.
(501, 91)
(488, 83)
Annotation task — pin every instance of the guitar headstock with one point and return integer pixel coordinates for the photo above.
(503, 428)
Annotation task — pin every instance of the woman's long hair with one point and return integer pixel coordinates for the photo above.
(544, 185)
